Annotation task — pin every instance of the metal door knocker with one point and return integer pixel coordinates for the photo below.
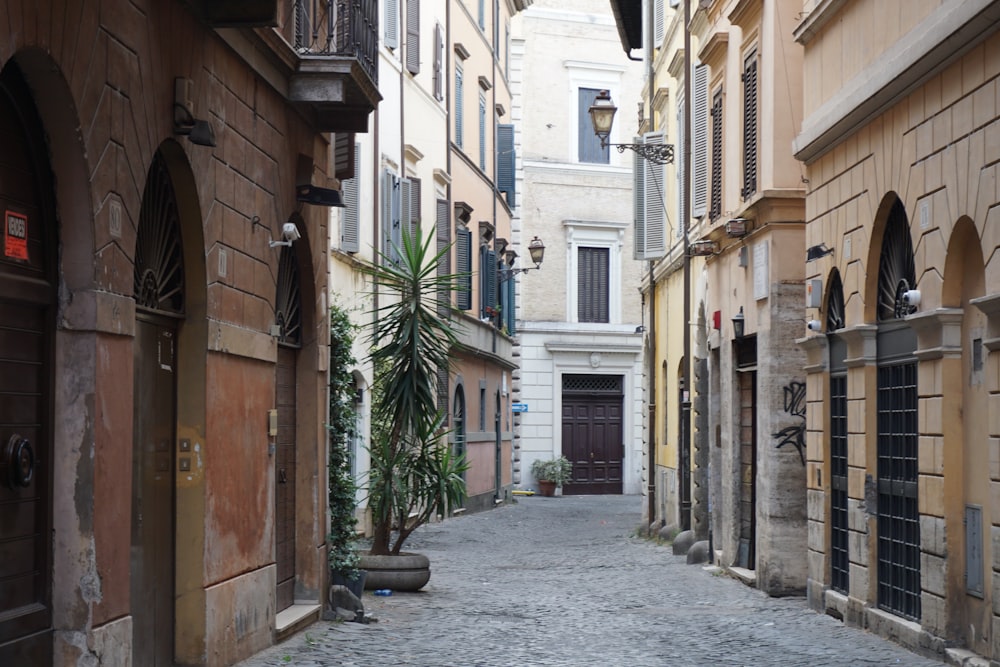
(17, 462)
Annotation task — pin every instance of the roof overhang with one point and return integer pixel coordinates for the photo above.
(628, 17)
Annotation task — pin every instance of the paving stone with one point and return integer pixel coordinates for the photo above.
(565, 582)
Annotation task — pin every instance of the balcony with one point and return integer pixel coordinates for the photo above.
(321, 54)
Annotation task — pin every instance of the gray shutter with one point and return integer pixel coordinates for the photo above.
(482, 14)
(405, 209)
(413, 36)
(655, 243)
(463, 261)
(386, 195)
(658, 23)
(749, 126)
(391, 34)
(350, 225)
(459, 108)
(682, 192)
(412, 221)
(510, 308)
(588, 145)
(699, 142)
(396, 233)
(592, 285)
(482, 131)
(639, 204)
(438, 62)
(442, 231)
(506, 161)
(715, 209)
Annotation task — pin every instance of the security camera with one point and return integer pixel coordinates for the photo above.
(290, 232)
(911, 297)
(814, 325)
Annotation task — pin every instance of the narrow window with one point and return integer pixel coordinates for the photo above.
(589, 147)
(716, 206)
(749, 126)
(459, 120)
(413, 36)
(350, 219)
(482, 131)
(506, 162)
(463, 262)
(592, 285)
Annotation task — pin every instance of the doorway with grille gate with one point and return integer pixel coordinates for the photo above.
(592, 435)
(839, 531)
(898, 543)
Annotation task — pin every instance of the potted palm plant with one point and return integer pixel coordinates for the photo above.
(413, 476)
(551, 473)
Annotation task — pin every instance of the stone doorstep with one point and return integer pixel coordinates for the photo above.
(748, 577)
(961, 657)
(291, 620)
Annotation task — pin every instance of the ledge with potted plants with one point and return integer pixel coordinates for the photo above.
(414, 476)
(551, 473)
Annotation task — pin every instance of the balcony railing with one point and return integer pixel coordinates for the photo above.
(345, 28)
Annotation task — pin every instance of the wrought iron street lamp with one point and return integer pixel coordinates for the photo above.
(602, 115)
(536, 250)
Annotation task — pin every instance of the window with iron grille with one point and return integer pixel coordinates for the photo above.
(592, 384)
(592, 280)
(839, 560)
(715, 209)
(413, 36)
(749, 126)
(589, 147)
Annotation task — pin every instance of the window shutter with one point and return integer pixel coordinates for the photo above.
(438, 62)
(682, 192)
(391, 23)
(657, 23)
(405, 210)
(487, 280)
(504, 297)
(655, 242)
(482, 14)
(344, 149)
(749, 126)
(592, 284)
(412, 219)
(386, 227)
(699, 141)
(351, 219)
(639, 204)
(396, 232)
(510, 308)
(482, 131)
(442, 231)
(459, 111)
(413, 36)
(716, 207)
(506, 162)
(463, 260)
(303, 25)
(588, 145)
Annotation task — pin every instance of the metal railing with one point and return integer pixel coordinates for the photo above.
(344, 28)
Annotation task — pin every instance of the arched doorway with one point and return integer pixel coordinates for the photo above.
(27, 325)
(288, 318)
(840, 566)
(159, 299)
(898, 550)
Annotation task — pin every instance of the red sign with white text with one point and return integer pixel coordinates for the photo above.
(15, 236)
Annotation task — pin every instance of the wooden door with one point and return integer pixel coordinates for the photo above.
(592, 441)
(27, 302)
(747, 555)
(284, 478)
(152, 566)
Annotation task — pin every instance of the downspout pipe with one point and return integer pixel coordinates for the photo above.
(651, 466)
(685, 445)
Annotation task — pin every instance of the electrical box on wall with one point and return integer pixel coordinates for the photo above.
(814, 293)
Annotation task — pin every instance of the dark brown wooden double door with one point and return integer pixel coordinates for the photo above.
(592, 435)
(284, 470)
(27, 301)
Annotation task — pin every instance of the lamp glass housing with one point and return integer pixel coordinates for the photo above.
(602, 115)
(738, 324)
(537, 250)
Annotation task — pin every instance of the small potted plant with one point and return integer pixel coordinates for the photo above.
(551, 473)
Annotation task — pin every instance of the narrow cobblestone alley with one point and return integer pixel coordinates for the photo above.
(563, 581)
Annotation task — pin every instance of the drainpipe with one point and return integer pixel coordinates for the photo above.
(651, 468)
(685, 444)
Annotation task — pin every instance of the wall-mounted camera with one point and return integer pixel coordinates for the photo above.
(814, 325)
(290, 233)
(911, 297)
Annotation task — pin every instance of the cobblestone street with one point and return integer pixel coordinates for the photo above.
(563, 581)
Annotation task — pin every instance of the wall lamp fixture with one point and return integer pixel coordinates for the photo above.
(815, 252)
(602, 115)
(536, 249)
(198, 132)
(738, 324)
(703, 248)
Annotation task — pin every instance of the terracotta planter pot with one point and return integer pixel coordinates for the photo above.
(405, 572)
(546, 487)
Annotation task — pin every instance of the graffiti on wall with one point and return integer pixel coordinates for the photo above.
(795, 406)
